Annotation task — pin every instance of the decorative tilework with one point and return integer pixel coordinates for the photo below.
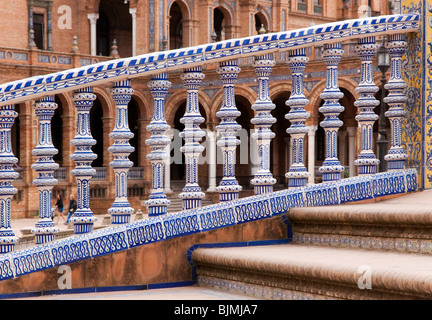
(159, 228)
(120, 69)
(227, 213)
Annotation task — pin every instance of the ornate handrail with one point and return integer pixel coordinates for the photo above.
(158, 62)
(157, 65)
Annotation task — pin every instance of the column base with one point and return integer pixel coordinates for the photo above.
(191, 199)
(297, 178)
(120, 218)
(229, 190)
(263, 183)
(83, 224)
(396, 161)
(44, 231)
(120, 213)
(8, 240)
(157, 206)
(366, 166)
(331, 172)
(262, 189)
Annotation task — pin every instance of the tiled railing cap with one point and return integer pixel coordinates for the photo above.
(151, 63)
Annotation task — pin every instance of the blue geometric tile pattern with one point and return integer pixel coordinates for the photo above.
(159, 228)
(151, 63)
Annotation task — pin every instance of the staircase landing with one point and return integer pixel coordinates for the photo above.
(378, 250)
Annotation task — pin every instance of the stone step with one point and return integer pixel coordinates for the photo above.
(402, 224)
(296, 271)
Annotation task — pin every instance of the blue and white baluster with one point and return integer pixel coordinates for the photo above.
(331, 168)
(396, 157)
(158, 202)
(263, 180)
(298, 174)
(7, 175)
(192, 134)
(45, 229)
(83, 219)
(121, 210)
(367, 162)
(228, 188)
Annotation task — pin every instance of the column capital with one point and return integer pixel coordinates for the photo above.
(133, 12)
(93, 17)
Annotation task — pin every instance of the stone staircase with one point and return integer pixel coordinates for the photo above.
(176, 203)
(380, 250)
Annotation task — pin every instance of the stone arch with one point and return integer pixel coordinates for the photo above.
(115, 22)
(184, 6)
(223, 21)
(262, 18)
(279, 147)
(178, 13)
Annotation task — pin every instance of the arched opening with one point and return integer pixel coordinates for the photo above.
(103, 43)
(57, 130)
(344, 141)
(246, 163)
(279, 147)
(261, 22)
(114, 22)
(176, 27)
(178, 163)
(133, 116)
(219, 25)
(96, 128)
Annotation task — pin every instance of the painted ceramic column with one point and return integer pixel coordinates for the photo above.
(7, 190)
(297, 175)
(45, 229)
(121, 210)
(263, 180)
(192, 134)
(228, 188)
(367, 162)
(158, 202)
(396, 157)
(83, 156)
(331, 168)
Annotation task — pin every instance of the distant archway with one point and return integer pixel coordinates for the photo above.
(96, 127)
(114, 22)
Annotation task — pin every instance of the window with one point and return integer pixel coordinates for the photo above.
(39, 30)
(318, 8)
(302, 5)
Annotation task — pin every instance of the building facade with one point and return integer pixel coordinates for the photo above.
(44, 36)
